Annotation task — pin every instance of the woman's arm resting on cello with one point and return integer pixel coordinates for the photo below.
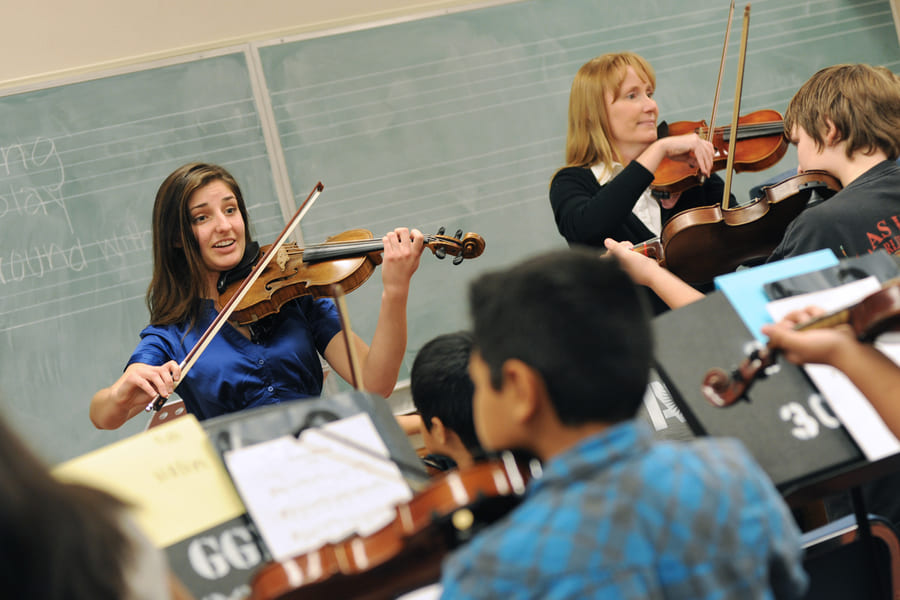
(647, 272)
(111, 407)
(381, 362)
(875, 375)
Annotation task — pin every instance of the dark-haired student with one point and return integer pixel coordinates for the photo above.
(442, 394)
(617, 513)
(201, 231)
(65, 541)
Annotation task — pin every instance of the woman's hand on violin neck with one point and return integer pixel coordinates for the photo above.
(402, 251)
(689, 148)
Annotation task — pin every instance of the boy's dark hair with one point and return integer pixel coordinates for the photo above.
(575, 318)
(441, 387)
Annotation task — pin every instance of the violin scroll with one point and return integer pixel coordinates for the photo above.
(460, 247)
(721, 389)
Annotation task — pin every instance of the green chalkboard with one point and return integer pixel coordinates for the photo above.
(454, 120)
(79, 169)
(459, 120)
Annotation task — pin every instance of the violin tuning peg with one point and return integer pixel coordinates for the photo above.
(440, 252)
(457, 259)
(458, 234)
(440, 231)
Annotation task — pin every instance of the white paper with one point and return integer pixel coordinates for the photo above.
(318, 489)
(856, 413)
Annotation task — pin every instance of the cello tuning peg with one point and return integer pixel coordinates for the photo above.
(458, 234)
(440, 231)
(458, 259)
(440, 252)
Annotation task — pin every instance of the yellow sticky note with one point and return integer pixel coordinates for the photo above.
(171, 475)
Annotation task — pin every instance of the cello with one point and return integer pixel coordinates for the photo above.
(700, 243)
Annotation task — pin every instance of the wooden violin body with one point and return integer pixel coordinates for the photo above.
(701, 243)
(760, 144)
(347, 259)
(405, 554)
(869, 318)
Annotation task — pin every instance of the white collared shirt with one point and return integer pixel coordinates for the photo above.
(646, 208)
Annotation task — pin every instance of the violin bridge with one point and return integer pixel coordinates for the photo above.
(281, 258)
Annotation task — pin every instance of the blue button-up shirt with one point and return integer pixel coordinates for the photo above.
(621, 515)
(234, 373)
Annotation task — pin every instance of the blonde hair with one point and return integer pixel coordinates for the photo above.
(587, 137)
(862, 101)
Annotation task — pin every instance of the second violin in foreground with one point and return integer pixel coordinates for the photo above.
(405, 554)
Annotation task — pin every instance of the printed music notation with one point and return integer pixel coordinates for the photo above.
(304, 492)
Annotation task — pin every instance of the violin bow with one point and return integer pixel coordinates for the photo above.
(710, 134)
(729, 165)
(231, 305)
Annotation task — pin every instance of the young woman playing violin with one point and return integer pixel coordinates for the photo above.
(612, 151)
(201, 231)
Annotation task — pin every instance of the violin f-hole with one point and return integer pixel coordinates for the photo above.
(272, 283)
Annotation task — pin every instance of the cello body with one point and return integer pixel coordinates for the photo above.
(702, 243)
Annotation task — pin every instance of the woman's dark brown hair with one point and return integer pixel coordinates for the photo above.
(179, 274)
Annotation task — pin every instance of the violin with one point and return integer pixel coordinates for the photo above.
(700, 243)
(760, 144)
(869, 318)
(405, 554)
(347, 259)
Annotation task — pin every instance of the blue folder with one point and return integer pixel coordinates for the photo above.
(744, 288)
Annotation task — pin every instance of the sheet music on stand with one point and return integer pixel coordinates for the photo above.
(329, 483)
(265, 424)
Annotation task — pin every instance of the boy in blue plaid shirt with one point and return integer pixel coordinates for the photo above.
(562, 348)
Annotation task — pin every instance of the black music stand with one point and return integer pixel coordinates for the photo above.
(772, 420)
(783, 420)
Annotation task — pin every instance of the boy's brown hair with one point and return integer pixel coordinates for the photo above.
(861, 100)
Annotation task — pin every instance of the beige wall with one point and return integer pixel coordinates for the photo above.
(51, 39)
